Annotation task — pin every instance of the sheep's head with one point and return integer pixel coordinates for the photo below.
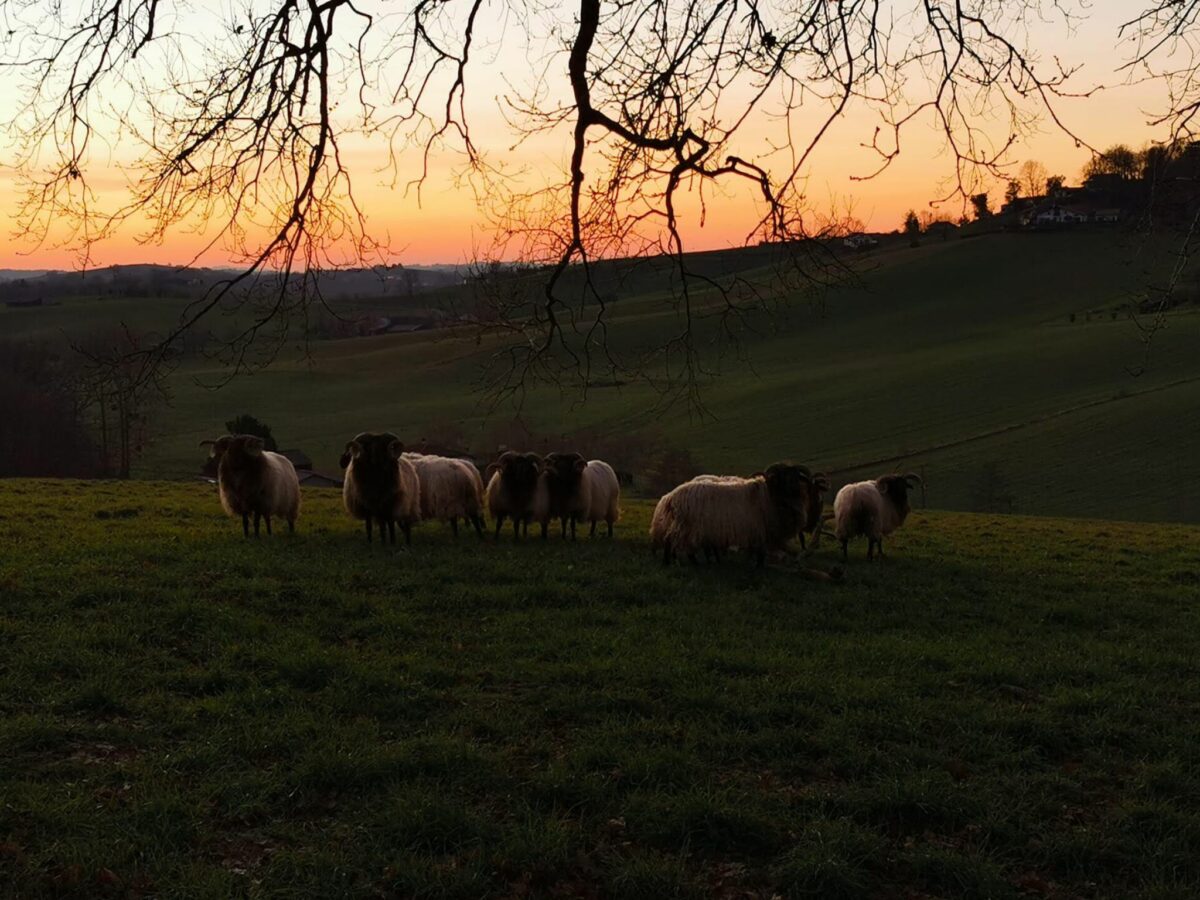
(563, 472)
(518, 471)
(370, 451)
(790, 488)
(217, 448)
(895, 488)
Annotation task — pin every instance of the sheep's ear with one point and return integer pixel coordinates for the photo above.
(580, 464)
(395, 448)
(353, 449)
(254, 445)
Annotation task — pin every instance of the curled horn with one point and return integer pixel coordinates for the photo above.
(348, 453)
(821, 480)
(913, 476)
(498, 466)
(208, 443)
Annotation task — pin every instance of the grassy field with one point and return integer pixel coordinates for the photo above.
(1005, 707)
(999, 366)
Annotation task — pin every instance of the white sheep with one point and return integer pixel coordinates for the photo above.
(599, 496)
(715, 513)
(381, 485)
(871, 508)
(450, 489)
(255, 481)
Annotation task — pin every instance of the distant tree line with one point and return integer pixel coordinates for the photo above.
(78, 411)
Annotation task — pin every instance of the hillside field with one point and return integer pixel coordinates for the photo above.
(1005, 707)
(999, 366)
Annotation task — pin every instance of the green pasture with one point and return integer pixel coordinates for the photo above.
(1004, 707)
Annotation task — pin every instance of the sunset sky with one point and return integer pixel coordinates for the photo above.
(447, 225)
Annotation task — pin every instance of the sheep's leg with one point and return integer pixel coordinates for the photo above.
(517, 529)
(845, 550)
(391, 525)
(760, 556)
(592, 533)
(610, 530)
(407, 526)
(545, 527)
(368, 521)
(499, 522)
(268, 518)
(870, 548)
(803, 545)
(572, 528)
(879, 546)
(291, 525)
(454, 525)
(257, 519)
(477, 521)
(245, 524)
(526, 528)
(666, 553)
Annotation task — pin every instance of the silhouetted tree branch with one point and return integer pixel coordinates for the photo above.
(241, 123)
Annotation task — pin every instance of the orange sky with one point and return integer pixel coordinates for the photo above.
(447, 225)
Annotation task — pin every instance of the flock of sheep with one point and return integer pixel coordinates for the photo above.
(387, 487)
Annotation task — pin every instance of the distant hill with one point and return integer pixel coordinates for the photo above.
(16, 274)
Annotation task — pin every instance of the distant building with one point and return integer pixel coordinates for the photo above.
(309, 478)
(860, 242)
(297, 458)
(942, 228)
(1059, 215)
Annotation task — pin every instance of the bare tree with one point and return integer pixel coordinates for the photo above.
(1032, 177)
(119, 384)
(242, 121)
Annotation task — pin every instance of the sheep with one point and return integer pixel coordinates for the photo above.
(714, 513)
(450, 489)
(871, 508)
(602, 491)
(381, 485)
(513, 488)
(255, 481)
(560, 491)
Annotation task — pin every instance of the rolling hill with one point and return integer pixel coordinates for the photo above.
(999, 366)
